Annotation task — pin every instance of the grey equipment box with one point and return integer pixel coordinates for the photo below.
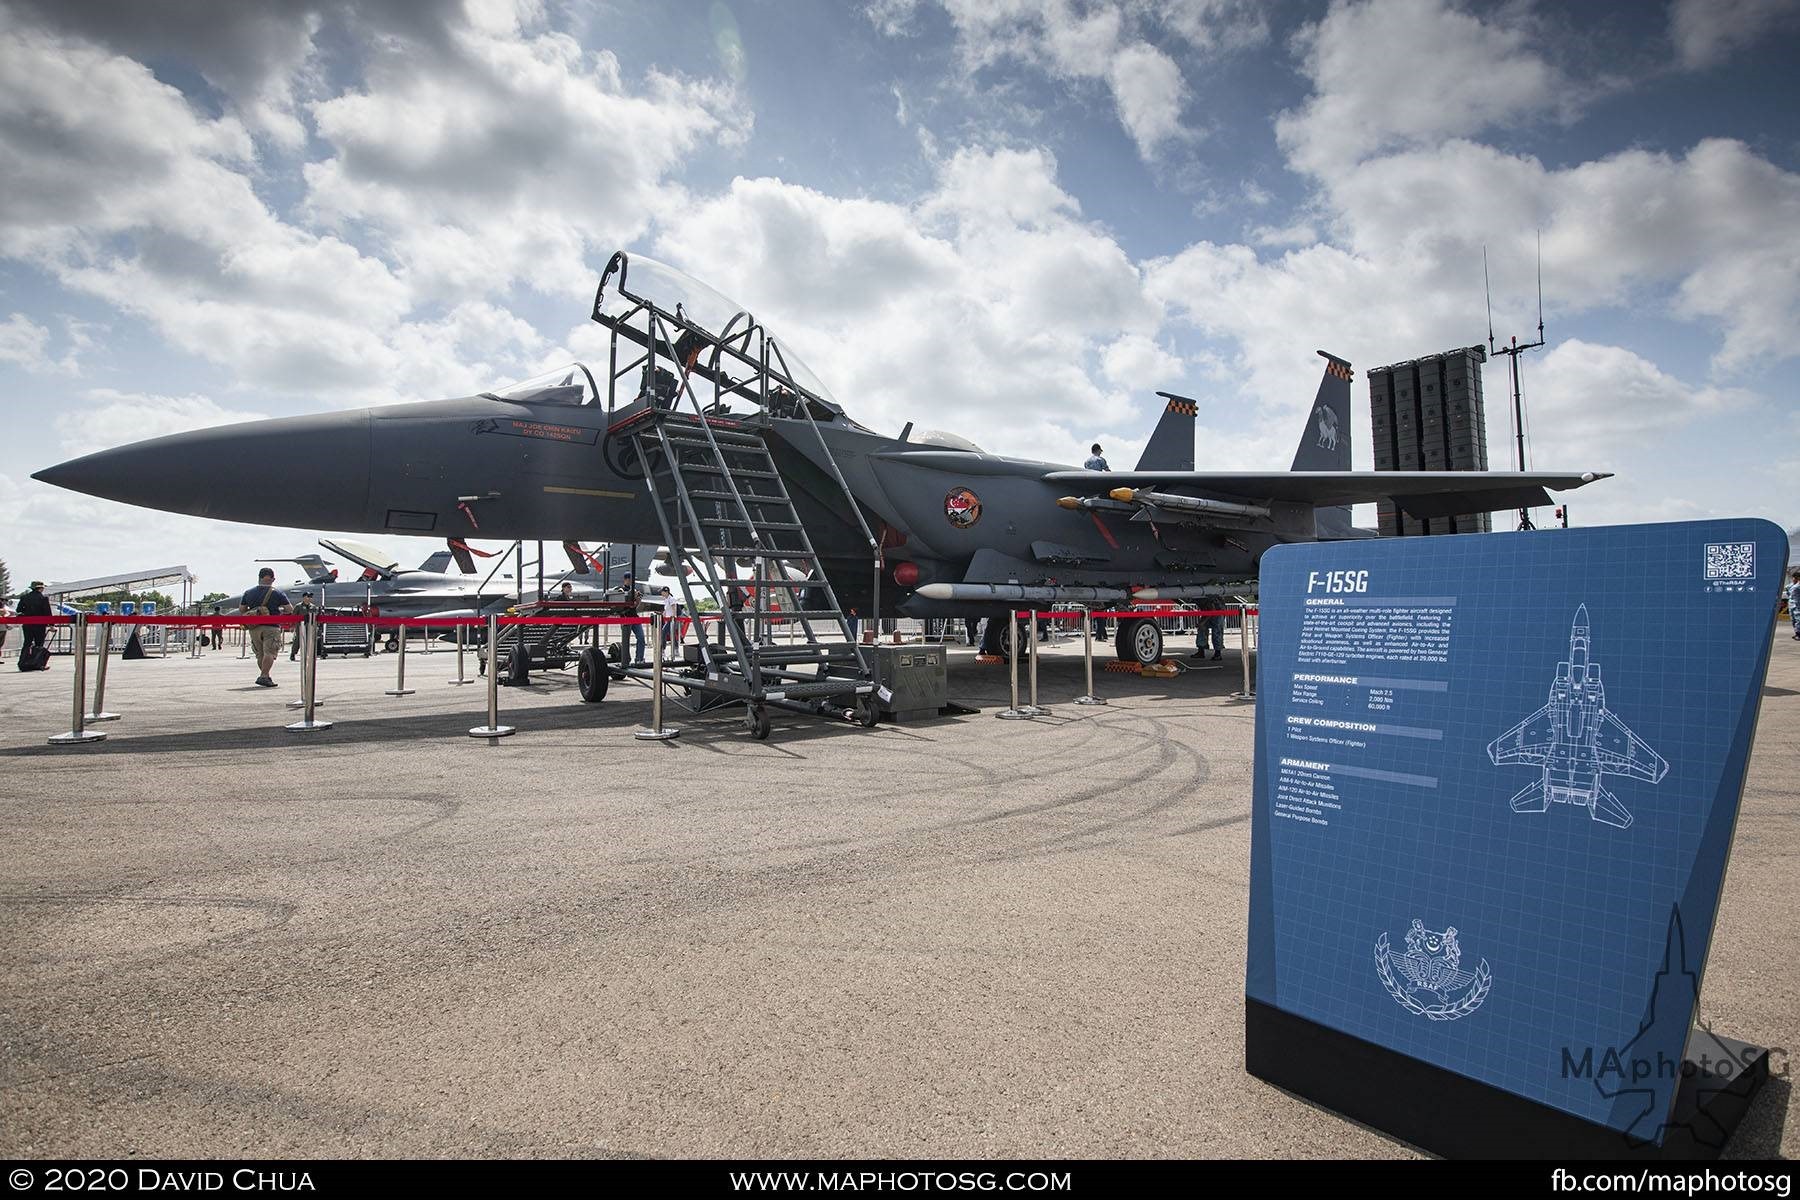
(911, 682)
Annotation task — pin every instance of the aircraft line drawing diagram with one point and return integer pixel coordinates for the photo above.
(1577, 741)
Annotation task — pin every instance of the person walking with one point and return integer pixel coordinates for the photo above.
(1793, 605)
(33, 604)
(265, 640)
(6, 610)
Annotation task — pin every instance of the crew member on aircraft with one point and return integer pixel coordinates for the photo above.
(1095, 461)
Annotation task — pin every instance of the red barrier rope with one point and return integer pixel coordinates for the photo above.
(290, 620)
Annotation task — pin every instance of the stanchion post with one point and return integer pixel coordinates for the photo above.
(400, 688)
(493, 728)
(461, 631)
(308, 631)
(1087, 655)
(1013, 712)
(1249, 691)
(309, 682)
(1034, 708)
(656, 732)
(79, 733)
(99, 712)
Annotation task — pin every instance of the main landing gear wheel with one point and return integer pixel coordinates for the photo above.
(757, 721)
(592, 675)
(1139, 641)
(393, 643)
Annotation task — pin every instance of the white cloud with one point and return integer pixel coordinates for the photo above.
(1443, 73)
(509, 154)
(110, 418)
(1114, 44)
(972, 309)
(1707, 32)
(1598, 398)
(255, 54)
(119, 189)
(1146, 86)
(1136, 363)
(25, 343)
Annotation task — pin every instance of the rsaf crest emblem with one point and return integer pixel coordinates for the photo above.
(962, 507)
(1328, 427)
(1429, 971)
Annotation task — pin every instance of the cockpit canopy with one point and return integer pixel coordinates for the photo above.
(947, 441)
(676, 292)
(572, 385)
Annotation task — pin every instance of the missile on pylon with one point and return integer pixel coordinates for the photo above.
(1173, 502)
(1007, 592)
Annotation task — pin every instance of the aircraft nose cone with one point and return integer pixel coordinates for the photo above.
(1581, 617)
(311, 470)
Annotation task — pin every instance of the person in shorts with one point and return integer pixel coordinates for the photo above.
(264, 600)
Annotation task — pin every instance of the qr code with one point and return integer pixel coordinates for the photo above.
(1731, 560)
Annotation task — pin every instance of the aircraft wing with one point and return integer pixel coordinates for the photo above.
(1420, 493)
(1527, 743)
(1622, 752)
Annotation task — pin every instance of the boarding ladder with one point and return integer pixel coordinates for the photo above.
(722, 501)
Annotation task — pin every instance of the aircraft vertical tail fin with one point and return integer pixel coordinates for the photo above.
(1171, 444)
(437, 564)
(1325, 446)
(315, 568)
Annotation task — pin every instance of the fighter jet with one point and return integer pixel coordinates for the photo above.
(1576, 740)
(385, 586)
(926, 525)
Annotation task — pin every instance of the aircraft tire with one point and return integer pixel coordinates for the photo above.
(592, 675)
(1139, 640)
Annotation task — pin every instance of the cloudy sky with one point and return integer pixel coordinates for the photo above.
(1012, 219)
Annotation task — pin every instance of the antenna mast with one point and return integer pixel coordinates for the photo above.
(1512, 351)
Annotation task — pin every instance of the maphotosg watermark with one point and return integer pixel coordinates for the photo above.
(1615, 1065)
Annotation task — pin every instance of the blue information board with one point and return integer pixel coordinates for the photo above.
(1496, 781)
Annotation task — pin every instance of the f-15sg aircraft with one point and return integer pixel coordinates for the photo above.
(920, 525)
(1576, 740)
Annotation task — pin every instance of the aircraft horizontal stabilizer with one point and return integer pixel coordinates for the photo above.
(1473, 500)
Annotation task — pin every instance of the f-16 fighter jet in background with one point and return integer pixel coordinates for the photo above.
(1576, 741)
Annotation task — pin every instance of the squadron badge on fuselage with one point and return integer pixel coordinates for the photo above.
(962, 507)
(1430, 970)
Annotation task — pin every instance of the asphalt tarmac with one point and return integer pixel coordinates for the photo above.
(966, 937)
